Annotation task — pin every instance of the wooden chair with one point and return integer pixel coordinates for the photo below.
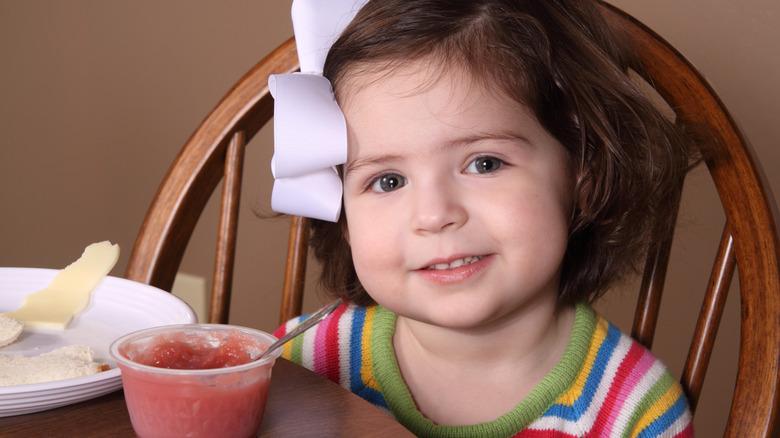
(749, 240)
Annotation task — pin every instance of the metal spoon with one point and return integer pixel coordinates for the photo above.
(302, 327)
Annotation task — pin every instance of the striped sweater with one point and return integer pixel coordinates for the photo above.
(606, 384)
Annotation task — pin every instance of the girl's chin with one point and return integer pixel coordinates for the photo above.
(458, 318)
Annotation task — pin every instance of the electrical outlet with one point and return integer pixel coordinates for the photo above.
(192, 290)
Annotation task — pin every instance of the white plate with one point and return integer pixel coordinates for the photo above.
(117, 306)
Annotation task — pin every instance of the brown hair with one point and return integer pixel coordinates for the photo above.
(558, 58)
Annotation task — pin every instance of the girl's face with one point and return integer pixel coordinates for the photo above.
(457, 201)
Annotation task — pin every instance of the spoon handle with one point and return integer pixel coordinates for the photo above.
(302, 327)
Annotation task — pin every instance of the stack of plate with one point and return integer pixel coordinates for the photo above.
(117, 306)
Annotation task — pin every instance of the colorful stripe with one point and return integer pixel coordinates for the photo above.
(366, 372)
(356, 349)
(638, 362)
(576, 390)
(345, 362)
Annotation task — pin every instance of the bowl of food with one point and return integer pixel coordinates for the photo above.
(195, 380)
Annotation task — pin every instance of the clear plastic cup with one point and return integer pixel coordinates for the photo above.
(177, 401)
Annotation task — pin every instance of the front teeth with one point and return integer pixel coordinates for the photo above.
(455, 263)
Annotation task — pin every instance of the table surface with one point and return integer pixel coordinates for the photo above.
(300, 403)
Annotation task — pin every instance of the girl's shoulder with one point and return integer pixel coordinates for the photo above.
(339, 348)
(619, 384)
(340, 341)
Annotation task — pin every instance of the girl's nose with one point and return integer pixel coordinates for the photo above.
(437, 206)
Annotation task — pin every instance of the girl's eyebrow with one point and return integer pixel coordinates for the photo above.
(498, 135)
(372, 160)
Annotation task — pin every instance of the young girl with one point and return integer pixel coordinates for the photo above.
(502, 171)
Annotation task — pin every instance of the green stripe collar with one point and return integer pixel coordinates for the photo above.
(399, 399)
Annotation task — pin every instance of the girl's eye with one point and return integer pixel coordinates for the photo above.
(388, 183)
(484, 165)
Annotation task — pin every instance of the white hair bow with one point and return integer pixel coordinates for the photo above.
(310, 134)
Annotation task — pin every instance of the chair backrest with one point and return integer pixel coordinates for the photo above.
(749, 240)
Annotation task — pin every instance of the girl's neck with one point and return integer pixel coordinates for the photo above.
(497, 365)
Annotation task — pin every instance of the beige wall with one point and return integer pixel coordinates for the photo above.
(97, 96)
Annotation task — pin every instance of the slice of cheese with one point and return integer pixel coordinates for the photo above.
(68, 294)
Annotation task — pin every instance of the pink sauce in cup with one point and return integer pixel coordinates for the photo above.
(191, 351)
(195, 380)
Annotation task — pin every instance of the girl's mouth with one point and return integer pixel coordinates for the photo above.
(457, 263)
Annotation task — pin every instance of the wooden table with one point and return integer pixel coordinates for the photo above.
(300, 403)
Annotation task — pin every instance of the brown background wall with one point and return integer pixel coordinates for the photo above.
(97, 96)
